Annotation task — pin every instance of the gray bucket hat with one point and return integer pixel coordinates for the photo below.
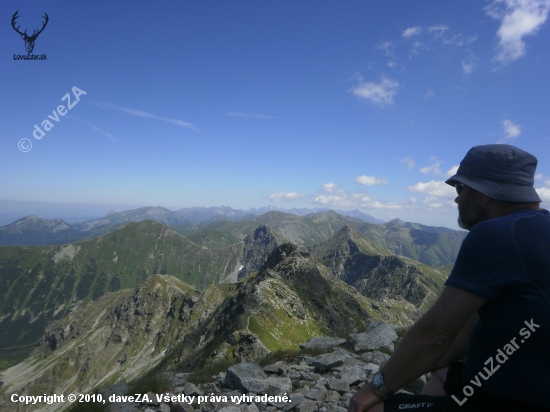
(499, 171)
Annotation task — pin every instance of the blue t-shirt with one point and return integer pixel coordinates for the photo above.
(506, 260)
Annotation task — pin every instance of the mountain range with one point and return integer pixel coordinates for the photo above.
(35, 231)
(43, 283)
(167, 323)
(77, 315)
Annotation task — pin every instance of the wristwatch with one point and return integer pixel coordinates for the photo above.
(378, 383)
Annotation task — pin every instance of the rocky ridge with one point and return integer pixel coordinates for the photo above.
(377, 273)
(302, 383)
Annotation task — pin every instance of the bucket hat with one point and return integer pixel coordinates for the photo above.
(499, 171)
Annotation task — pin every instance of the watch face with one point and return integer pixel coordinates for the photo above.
(377, 379)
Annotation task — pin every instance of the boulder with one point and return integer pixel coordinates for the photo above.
(339, 385)
(378, 335)
(269, 386)
(353, 375)
(237, 375)
(323, 342)
(329, 361)
(278, 368)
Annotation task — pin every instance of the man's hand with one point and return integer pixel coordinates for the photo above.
(364, 399)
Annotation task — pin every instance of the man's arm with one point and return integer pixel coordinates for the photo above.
(424, 344)
(459, 347)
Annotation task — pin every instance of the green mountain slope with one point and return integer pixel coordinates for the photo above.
(304, 231)
(430, 245)
(165, 322)
(32, 231)
(39, 284)
(376, 272)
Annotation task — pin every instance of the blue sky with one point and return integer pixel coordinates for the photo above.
(346, 105)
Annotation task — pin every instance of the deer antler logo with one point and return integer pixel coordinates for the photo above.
(29, 40)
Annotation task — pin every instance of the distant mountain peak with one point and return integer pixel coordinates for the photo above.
(395, 222)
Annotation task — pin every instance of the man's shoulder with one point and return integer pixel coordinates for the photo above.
(502, 225)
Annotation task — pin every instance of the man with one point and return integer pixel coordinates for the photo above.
(495, 305)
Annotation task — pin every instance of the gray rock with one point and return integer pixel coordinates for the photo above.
(375, 357)
(339, 385)
(333, 408)
(379, 334)
(179, 379)
(307, 406)
(333, 396)
(370, 366)
(317, 394)
(249, 408)
(353, 362)
(345, 399)
(353, 375)
(278, 368)
(163, 408)
(238, 374)
(323, 342)
(191, 390)
(152, 399)
(295, 400)
(309, 376)
(268, 386)
(230, 409)
(328, 361)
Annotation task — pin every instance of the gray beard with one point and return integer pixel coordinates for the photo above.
(468, 219)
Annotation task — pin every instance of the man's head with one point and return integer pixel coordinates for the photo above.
(493, 180)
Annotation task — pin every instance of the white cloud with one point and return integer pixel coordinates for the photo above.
(544, 194)
(429, 94)
(412, 31)
(329, 187)
(141, 113)
(408, 161)
(281, 196)
(511, 129)
(468, 67)
(379, 93)
(335, 201)
(370, 180)
(94, 127)
(433, 168)
(434, 188)
(438, 30)
(452, 171)
(346, 199)
(519, 18)
(252, 115)
(388, 48)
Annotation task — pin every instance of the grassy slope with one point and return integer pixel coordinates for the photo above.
(43, 283)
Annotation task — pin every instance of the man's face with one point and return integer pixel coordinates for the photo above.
(471, 209)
